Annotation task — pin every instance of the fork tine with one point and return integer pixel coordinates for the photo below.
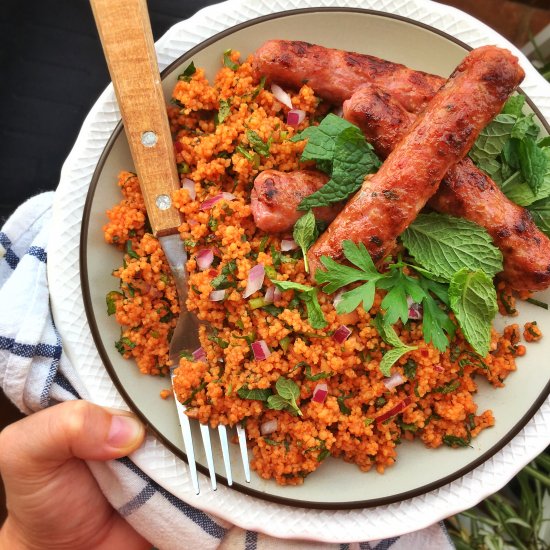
(188, 442)
(222, 431)
(205, 432)
(244, 451)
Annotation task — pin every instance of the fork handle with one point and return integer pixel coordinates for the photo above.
(125, 32)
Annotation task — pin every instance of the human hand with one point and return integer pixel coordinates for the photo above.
(52, 498)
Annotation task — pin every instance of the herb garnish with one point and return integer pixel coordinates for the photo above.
(188, 72)
(389, 336)
(308, 294)
(305, 234)
(224, 110)
(285, 399)
(339, 149)
(228, 62)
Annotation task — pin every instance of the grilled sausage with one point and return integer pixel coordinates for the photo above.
(465, 191)
(335, 74)
(276, 195)
(389, 200)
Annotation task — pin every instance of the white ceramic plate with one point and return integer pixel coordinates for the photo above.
(336, 485)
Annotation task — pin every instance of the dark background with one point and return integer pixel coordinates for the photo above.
(52, 71)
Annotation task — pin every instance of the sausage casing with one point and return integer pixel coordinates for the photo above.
(390, 200)
(335, 74)
(465, 192)
(276, 195)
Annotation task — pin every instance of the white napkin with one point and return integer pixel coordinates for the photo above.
(35, 373)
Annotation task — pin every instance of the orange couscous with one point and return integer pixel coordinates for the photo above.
(359, 416)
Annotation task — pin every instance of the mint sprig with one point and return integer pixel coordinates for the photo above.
(340, 149)
(474, 301)
(305, 234)
(286, 396)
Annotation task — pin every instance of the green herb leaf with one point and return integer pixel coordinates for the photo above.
(259, 88)
(305, 233)
(388, 334)
(353, 158)
(474, 302)
(228, 62)
(225, 110)
(130, 251)
(256, 394)
(111, 299)
(533, 164)
(454, 441)
(308, 295)
(540, 211)
(188, 72)
(257, 143)
(445, 244)
(287, 393)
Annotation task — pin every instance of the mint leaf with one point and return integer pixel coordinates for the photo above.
(188, 72)
(257, 394)
(257, 143)
(228, 62)
(533, 164)
(436, 324)
(444, 245)
(353, 158)
(287, 389)
(492, 138)
(473, 299)
(321, 139)
(514, 105)
(540, 211)
(225, 110)
(287, 393)
(308, 295)
(305, 233)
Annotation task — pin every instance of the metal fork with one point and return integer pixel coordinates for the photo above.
(127, 40)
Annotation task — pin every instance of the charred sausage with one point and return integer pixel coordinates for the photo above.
(335, 74)
(276, 195)
(389, 200)
(465, 191)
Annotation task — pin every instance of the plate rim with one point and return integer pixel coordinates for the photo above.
(92, 321)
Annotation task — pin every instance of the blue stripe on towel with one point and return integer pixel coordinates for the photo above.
(138, 501)
(11, 258)
(38, 253)
(205, 522)
(61, 380)
(251, 541)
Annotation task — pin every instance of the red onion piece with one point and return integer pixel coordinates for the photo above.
(269, 427)
(204, 258)
(269, 296)
(341, 334)
(288, 244)
(438, 368)
(277, 294)
(295, 117)
(260, 350)
(400, 407)
(255, 280)
(189, 184)
(216, 295)
(211, 201)
(339, 111)
(416, 311)
(281, 95)
(394, 380)
(320, 393)
(199, 354)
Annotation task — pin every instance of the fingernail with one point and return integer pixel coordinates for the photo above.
(124, 431)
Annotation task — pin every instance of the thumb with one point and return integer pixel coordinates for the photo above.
(47, 439)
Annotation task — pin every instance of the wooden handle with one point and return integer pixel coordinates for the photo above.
(125, 33)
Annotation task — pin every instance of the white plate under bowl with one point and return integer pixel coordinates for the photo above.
(420, 475)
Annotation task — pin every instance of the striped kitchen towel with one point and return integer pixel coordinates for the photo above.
(35, 373)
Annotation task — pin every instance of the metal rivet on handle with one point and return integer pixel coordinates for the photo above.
(149, 139)
(163, 202)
